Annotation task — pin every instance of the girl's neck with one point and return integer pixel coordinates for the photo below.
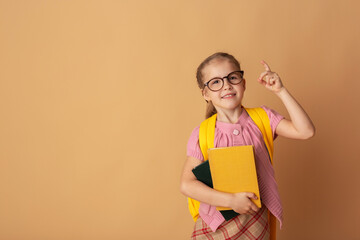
(229, 116)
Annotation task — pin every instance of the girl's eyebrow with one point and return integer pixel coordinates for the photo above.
(224, 76)
(214, 78)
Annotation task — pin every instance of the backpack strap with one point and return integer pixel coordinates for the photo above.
(262, 121)
(207, 135)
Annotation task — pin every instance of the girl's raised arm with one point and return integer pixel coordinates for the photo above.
(300, 126)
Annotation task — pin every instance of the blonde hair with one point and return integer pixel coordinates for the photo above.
(210, 109)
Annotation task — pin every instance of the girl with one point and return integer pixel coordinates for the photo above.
(222, 85)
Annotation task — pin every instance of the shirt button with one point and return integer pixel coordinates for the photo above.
(236, 132)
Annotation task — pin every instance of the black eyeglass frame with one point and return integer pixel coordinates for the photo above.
(222, 80)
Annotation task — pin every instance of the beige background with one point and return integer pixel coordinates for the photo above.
(98, 99)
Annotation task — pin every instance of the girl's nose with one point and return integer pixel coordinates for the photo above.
(227, 84)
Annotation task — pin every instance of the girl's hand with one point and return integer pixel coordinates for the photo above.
(270, 79)
(241, 203)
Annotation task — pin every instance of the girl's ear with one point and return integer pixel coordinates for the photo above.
(244, 83)
(205, 94)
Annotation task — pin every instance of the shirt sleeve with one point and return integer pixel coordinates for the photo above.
(274, 117)
(193, 147)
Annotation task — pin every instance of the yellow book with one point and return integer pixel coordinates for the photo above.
(233, 170)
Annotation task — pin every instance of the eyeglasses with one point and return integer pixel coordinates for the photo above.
(216, 84)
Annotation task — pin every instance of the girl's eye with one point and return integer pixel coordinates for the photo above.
(215, 82)
(233, 77)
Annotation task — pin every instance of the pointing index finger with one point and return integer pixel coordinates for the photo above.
(267, 68)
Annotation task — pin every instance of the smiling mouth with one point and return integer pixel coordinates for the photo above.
(229, 95)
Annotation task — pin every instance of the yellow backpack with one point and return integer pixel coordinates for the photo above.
(206, 141)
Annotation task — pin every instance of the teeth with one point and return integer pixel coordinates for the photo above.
(229, 95)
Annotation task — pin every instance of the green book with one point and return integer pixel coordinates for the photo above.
(202, 173)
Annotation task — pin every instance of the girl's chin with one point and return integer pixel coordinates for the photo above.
(230, 106)
(233, 103)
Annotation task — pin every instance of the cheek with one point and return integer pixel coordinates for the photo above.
(240, 88)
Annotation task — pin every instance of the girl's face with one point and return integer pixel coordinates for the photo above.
(230, 96)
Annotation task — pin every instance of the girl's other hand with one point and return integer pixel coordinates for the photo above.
(270, 79)
(241, 203)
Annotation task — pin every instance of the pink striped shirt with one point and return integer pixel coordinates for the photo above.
(243, 132)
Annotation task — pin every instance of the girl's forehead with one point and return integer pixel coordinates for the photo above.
(218, 68)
